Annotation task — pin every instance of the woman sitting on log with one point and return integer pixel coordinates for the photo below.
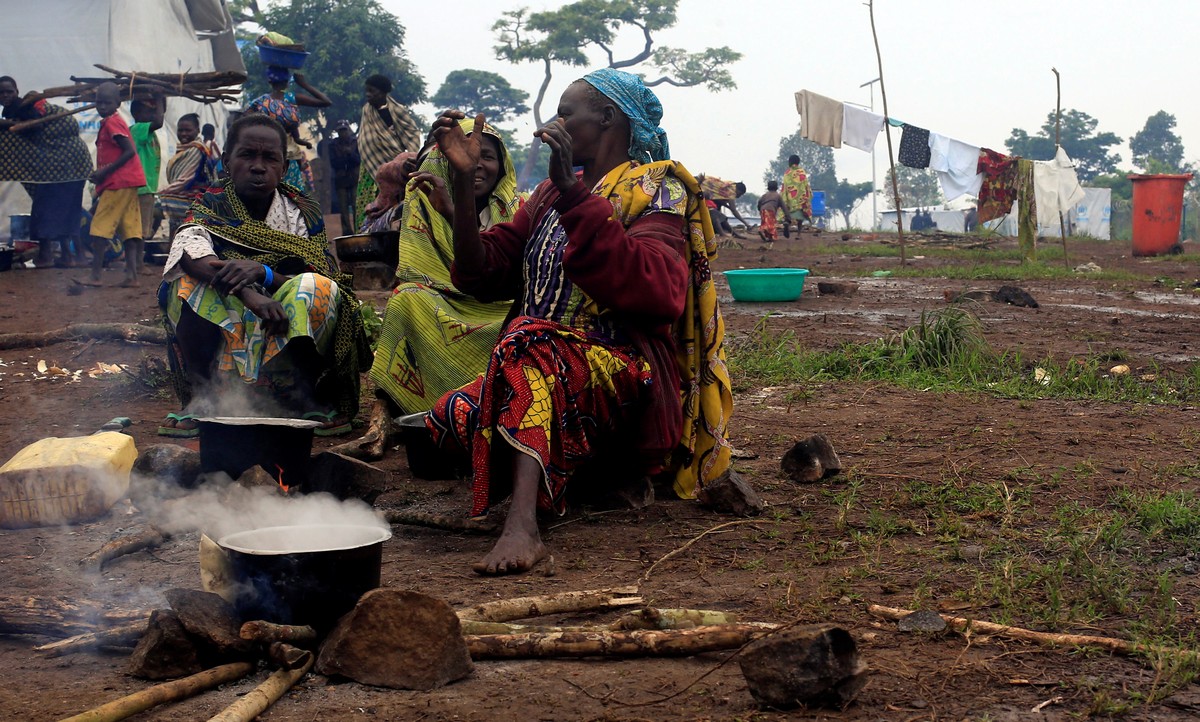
(252, 294)
(436, 338)
(615, 350)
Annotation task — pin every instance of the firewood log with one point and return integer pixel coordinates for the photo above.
(269, 632)
(637, 643)
(176, 689)
(505, 610)
(59, 616)
(264, 695)
(147, 538)
(122, 635)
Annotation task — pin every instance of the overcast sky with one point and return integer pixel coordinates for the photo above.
(971, 70)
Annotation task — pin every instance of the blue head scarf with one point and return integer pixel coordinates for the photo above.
(647, 141)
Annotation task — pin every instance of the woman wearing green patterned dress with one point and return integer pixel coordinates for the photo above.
(260, 321)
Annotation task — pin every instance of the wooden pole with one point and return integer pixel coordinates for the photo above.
(266, 694)
(130, 705)
(636, 643)
(506, 610)
(1062, 224)
(887, 129)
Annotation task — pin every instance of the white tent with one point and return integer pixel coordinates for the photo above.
(45, 42)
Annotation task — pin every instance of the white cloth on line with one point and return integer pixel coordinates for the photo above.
(1055, 188)
(820, 118)
(860, 127)
(956, 164)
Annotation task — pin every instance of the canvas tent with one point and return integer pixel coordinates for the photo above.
(48, 41)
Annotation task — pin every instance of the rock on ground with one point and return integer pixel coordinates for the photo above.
(812, 665)
(398, 639)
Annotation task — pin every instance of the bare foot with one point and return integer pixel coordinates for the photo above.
(129, 282)
(517, 550)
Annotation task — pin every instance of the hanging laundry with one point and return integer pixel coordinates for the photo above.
(914, 147)
(999, 188)
(860, 127)
(1056, 187)
(1027, 209)
(820, 118)
(956, 164)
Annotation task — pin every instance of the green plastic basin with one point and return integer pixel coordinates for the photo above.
(766, 284)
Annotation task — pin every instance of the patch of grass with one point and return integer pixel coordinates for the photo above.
(1164, 517)
(946, 352)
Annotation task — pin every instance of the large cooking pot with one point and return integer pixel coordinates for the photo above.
(233, 444)
(310, 574)
(378, 246)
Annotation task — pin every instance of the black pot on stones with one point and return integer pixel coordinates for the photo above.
(233, 444)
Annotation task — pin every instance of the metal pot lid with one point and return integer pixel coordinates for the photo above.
(304, 539)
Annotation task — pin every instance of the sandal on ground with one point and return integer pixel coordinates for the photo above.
(331, 423)
(180, 426)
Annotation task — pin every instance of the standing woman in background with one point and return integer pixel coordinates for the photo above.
(386, 130)
(284, 106)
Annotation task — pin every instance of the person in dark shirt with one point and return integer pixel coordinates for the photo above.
(344, 159)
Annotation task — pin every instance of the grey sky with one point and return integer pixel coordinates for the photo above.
(970, 70)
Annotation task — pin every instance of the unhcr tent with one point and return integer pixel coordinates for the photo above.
(48, 41)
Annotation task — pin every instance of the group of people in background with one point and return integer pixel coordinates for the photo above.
(538, 335)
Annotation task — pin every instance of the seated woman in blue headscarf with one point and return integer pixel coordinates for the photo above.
(614, 346)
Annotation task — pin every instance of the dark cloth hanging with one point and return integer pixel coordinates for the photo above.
(914, 147)
(999, 188)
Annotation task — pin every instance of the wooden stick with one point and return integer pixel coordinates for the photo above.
(641, 619)
(962, 624)
(287, 656)
(887, 130)
(122, 635)
(440, 521)
(637, 643)
(60, 616)
(129, 543)
(505, 610)
(177, 689)
(27, 124)
(269, 632)
(131, 332)
(264, 695)
(695, 539)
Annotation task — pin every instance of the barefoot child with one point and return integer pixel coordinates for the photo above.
(769, 204)
(148, 118)
(118, 177)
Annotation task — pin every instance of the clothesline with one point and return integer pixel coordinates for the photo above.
(1042, 189)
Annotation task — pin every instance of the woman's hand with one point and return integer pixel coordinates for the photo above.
(461, 150)
(230, 277)
(435, 189)
(274, 318)
(561, 170)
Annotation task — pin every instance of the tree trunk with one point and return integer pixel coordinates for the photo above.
(59, 616)
(177, 689)
(638, 643)
(505, 610)
(131, 332)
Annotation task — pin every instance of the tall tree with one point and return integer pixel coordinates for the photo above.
(1157, 141)
(348, 41)
(845, 196)
(919, 187)
(481, 91)
(565, 36)
(1086, 147)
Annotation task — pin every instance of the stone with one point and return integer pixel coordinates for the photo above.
(370, 275)
(165, 651)
(921, 621)
(810, 460)
(346, 477)
(257, 476)
(398, 639)
(1014, 296)
(813, 665)
(837, 288)
(211, 621)
(731, 494)
(169, 463)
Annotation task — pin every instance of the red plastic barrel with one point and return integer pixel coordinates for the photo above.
(1157, 211)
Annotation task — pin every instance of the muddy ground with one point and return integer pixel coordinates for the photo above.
(821, 553)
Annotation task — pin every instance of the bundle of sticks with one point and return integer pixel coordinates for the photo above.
(134, 85)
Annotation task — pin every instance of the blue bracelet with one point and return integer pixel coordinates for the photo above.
(269, 277)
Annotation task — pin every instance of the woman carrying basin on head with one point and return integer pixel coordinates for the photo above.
(252, 295)
(615, 348)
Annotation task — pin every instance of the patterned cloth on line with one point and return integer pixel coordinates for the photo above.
(999, 188)
(914, 147)
(1027, 224)
(435, 338)
(219, 213)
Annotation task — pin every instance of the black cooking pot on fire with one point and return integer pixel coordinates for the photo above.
(310, 574)
(233, 444)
